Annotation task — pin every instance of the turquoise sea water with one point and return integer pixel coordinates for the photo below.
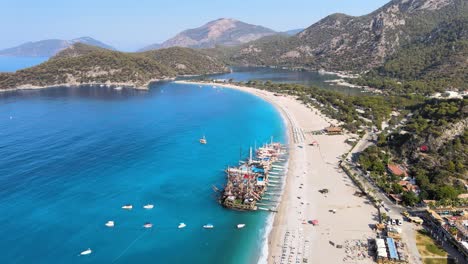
(71, 157)
(11, 64)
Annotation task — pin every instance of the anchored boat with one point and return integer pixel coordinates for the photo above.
(239, 226)
(248, 182)
(208, 226)
(203, 140)
(127, 207)
(86, 252)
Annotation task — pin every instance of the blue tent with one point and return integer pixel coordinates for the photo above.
(392, 248)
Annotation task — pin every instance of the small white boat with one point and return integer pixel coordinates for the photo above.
(148, 206)
(86, 252)
(110, 224)
(208, 226)
(203, 140)
(239, 226)
(127, 207)
(118, 88)
(181, 225)
(148, 225)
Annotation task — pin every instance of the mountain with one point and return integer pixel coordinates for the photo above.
(84, 64)
(223, 31)
(343, 42)
(292, 32)
(438, 55)
(49, 47)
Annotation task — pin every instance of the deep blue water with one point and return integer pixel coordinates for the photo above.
(11, 64)
(71, 157)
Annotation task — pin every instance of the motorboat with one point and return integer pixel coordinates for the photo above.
(110, 224)
(239, 226)
(148, 225)
(203, 140)
(127, 207)
(181, 225)
(86, 252)
(208, 226)
(148, 206)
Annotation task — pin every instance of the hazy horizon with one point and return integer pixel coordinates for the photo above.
(130, 26)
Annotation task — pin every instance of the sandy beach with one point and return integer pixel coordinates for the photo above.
(312, 168)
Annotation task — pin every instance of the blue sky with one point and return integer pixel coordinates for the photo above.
(131, 24)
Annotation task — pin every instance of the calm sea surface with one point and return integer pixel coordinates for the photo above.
(243, 74)
(11, 64)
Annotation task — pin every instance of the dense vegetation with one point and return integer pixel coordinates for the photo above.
(185, 61)
(87, 64)
(353, 111)
(434, 144)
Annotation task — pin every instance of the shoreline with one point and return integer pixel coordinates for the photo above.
(311, 168)
(272, 217)
(128, 85)
(72, 85)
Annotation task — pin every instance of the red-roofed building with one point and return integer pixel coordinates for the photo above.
(396, 198)
(397, 170)
(409, 187)
(424, 148)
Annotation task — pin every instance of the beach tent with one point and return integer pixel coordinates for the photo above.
(380, 243)
(382, 253)
(392, 248)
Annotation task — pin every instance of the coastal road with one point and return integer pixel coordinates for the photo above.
(393, 210)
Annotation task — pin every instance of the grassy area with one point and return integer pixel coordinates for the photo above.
(429, 250)
(437, 261)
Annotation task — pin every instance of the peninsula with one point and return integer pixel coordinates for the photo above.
(82, 64)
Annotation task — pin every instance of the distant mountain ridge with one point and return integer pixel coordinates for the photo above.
(343, 42)
(223, 31)
(49, 47)
(82, 64)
